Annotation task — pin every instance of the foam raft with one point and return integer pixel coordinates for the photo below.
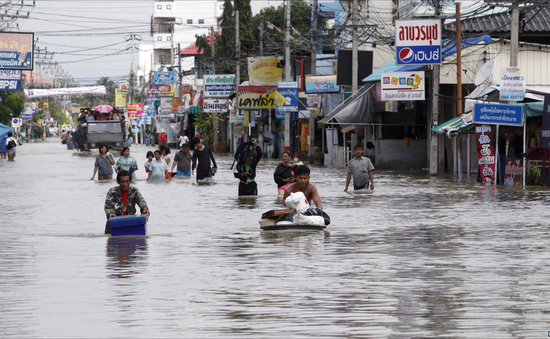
(128, 225)
(270, 222)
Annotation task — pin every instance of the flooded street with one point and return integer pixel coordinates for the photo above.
(418, 257)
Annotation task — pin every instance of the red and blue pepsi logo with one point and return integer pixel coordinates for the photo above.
(406, 55)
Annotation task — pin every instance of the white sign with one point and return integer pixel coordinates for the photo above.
(512, 84)
(215, 105)
(403, 86)
(418, 42)
(41, 93)
(219, 85)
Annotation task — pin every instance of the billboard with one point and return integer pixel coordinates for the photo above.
(17, 51)
(290, 91)
(418, 42)
(265, 71)
(219, 85)
(257, 97)
(321, 84)
(165, 78)
(215, 105)
(498, 114)
(402, 86)
(135, 111)
(10, 80)
(120, 99)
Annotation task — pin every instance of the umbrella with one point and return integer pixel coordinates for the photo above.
(4, 130)
(103, 109)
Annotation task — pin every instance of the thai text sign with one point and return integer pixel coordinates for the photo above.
(418, 42)
(512, 84)
(402, 86)
(498, 114)
(16, 51)
(135, 111)
(257, 97)
(219, 85)
(264, 71)
(321, 84)
(119, 98)
(10, 80)
(485, 154)
(165, 78)
(215, 105)
(290, 91)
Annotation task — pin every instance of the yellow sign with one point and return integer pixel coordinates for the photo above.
(46, 105)
(256, 97)
(120, 100)
(264, 71)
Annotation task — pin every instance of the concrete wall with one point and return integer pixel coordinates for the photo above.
(394, 155)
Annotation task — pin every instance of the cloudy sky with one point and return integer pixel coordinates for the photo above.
(88, 37)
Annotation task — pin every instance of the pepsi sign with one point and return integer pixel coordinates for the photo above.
(418, 42)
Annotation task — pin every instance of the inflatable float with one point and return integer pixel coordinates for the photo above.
(299, 216)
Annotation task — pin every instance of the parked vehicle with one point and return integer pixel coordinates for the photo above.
(104, 132)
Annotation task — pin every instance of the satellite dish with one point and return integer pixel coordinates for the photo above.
(484, 72)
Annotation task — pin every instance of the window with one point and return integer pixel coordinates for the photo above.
(159, 38)
(189, 21)
(201, 21)
(168, 6)
(159, 6)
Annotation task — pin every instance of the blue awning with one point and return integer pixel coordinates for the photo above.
(4, 130)
(449, 49)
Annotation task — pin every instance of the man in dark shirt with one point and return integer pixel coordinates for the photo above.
(183, 160)
(202, 154)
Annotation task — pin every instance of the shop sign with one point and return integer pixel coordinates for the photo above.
(135, 111)
(219, 85)
(16, 51)
(120, 100)
(290, 91)
(215, 105)
(403, 86)
(257, 97)
(165, 78)
(498, 114)
(418, 42)
(264, 71)
(10, 80)
(321, 84)
(512, 84)
(485, 154)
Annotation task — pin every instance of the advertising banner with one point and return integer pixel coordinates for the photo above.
(512, 84)
(264, 71)
(219, 85)
(290, 91)
(10, 80)
(192, 96)
(165, 78)
(215, 105)
(16, 51)
(42, 93)
(165, 105)
(513, 172)
(498, 114)
(135, 111)
(418, 42)
(402, 86)
(485, 154)
(321, 84)
(257, 97)
(120, 100)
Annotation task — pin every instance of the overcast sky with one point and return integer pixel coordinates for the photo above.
(88, 36)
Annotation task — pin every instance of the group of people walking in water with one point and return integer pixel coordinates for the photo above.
(289, 177)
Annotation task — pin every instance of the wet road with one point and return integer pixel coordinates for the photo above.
(419, 257)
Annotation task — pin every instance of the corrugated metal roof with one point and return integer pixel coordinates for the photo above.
(534, 22)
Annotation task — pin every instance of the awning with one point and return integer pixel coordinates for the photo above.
(449, 49)
(351, 104)
(4, 130)
(454, 125)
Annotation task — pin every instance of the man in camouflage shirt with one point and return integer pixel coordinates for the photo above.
(122, 200)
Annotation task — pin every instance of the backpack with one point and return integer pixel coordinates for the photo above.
(11, 144)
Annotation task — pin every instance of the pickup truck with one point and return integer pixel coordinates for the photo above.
(104, 132)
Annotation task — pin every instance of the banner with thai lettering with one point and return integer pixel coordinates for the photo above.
(212, 105)
(321, 84)
(485, 154)
(402, 86)
(512, 84)
(219, 85)
(17, 51)
(120, 99)
(135, 111)
(257, 97)
(41, 93)
(264, 71)
(513, 172)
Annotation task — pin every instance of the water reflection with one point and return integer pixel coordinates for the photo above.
(126, 256)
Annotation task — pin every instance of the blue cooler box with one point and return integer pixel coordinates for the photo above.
(128, 225)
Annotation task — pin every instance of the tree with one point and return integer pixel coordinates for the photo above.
(12, 106)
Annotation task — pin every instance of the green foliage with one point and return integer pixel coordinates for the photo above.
(203, 124)
(300, 19)
(12, 105)
(58, 114)
(533, 175)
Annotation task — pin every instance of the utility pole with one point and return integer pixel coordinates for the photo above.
(313, 72)
(238, 71)
(213, 69)
(354, 47)
(514, 48)
(434, 140)
(262, 23)
(457, 159)
(287, 72)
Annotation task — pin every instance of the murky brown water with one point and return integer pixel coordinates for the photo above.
(418, 257)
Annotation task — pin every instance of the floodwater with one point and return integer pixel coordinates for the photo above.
(418, 257)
